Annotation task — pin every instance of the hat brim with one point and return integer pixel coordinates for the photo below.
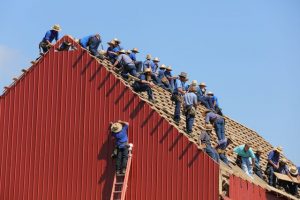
(295, 174)
(182, 76)
(135, 51)
(55, 29)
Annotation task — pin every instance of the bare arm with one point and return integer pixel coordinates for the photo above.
(123, 122)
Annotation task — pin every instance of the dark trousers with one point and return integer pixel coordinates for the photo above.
(44, 47)
(138, 65)
(177, 110)
(220, 128)
(139, 87)
(129, 68)
(205, 101)
(212, 152)
(122, 157)
(189, 120)
(258, 172)
(224, 158)
(271, 177)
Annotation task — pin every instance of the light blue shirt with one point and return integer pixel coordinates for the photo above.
(149, 64)
(245, 154)
(179, 84)
(124, 59)
(190, 99)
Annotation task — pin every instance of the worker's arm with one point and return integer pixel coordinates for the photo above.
(180, 90)
(273, 164)
(123, 122)
(253, 163)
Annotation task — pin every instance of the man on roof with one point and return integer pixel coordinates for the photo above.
(283, 169)
(201, 95)
(117, 44)
(217, 121)
(162, 78)
(221, 149)
(170, 77)
(138, 64)
(293, 187)
(190, 106)
(156, 65)
(257, 168)
(119, 132)
(127, 64)
(180, 88)
(214, 103)
(246, 153)
(112, 52)
(205, 144)
(273, 165)
(91, 43)
(50, 35)
(144, 84)
(148, 63)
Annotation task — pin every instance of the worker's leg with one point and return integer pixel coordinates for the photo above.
(270, 172)
(119, 160)
(138, 65)
(210, 151)
(177, 110)
(131, 69)
(223, 157)
(246, 166)
(124, 159)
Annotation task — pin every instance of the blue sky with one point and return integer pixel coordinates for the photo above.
(248, 52)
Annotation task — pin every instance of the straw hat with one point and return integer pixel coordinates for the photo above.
(156, 59)
(169, 68)
(294, 171)
(278, 149)
(117, 40)
(112, 42)
(202, 84)
(56, 27)
(116, 127)
(128, 52)
(135, 50)
(148, 57)
(163, 66)
(208, 127)
(122, 51)
(283, 160)
(147, 70)
(102, 52)
(210, 93)
(194, 83)
(183, 74)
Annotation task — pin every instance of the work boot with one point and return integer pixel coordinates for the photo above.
(123, 171)
(118, 173)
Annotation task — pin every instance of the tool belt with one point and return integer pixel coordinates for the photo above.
(165, 80)
(221, 151)
(176, 97)
(190, 110)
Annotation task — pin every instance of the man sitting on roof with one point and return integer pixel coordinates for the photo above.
(283, 169)
(112, 52)
(138, 64)
(246, 153)
(148, 63)
(218, 122)
(273, 164)
(180, 87)
(91, 43)
(257, 169)
(117, 45)
(119, 132)
(214, 103)
(202, 98)
(162, 78)
(50, 35)
(190, 106)
(293, 187)
(144, 84)
(221, 149)
(170, 77)
(204, 142)
(126, 63)
(156, 66)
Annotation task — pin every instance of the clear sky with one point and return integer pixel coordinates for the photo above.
(248, 52)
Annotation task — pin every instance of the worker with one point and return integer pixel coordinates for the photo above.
(190, 106)
(144, 84)
(246, 153)
(162, 78)
(205, 144)
(214, 103)
(202, 97)
(91, 43)
(112, 53)
(218, 123)
(293, 187)
(170, 77)
(148, 63)
(273, 165)
(50, 35)
(119, 132)
(126, 63)
(138, 64)
(283, 169)
(221, 148)
(180, 87)
(156, 66)
(257, 168)
(117, 46)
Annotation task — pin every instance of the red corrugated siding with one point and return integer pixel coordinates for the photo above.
(55, 141)
(241, 189)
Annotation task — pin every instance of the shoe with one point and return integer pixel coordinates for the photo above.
(123, 171)
(118, 173)
(176, 121)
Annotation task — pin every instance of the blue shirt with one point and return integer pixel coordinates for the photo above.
(179, 84)
(245, 154)
(109, 50)
(51, 35)
(132, 56)
(85, 41)
(92, 42)
(161, 73)
(121, 137)
(274, 157)
(215, 99)
(257, 161)
(190, 98)
(211, 117)
(168, 74)
(124, 59)
(149, 64)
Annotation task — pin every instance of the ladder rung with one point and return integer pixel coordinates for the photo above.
(120, 183)
(117, 192)
(120, 174)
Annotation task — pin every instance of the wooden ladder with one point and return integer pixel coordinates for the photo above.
(120, 181)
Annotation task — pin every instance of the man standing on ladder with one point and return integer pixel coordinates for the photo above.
(119, 132)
